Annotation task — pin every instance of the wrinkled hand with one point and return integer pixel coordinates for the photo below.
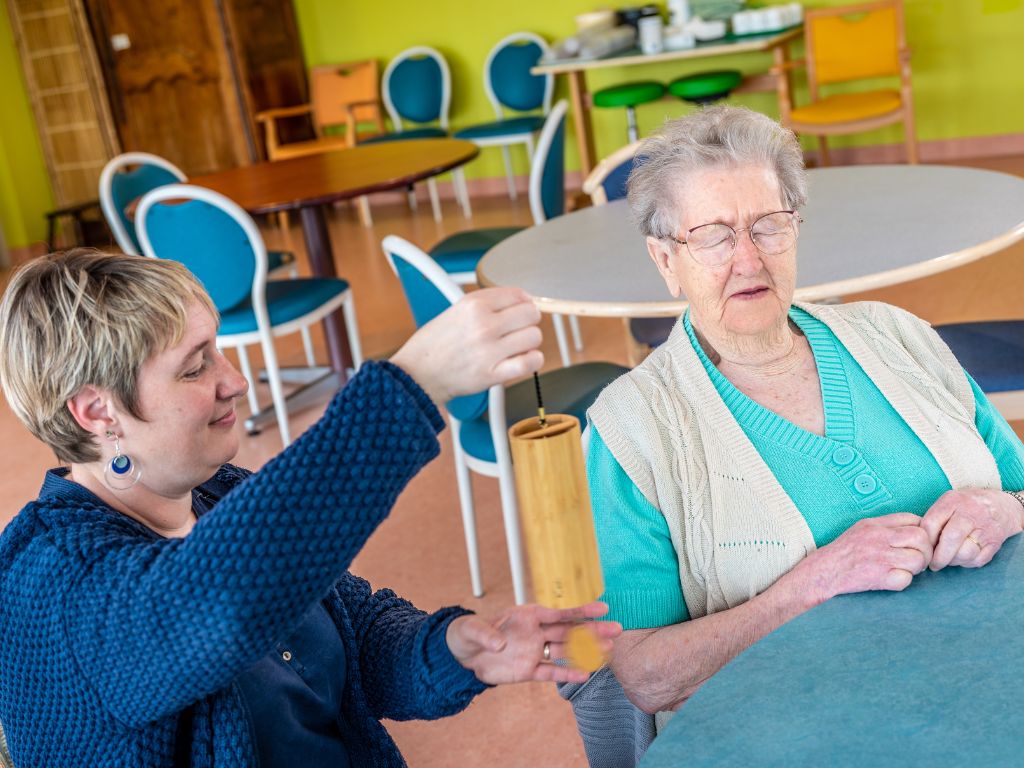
(510, 647)
(875, 553)
(488, 337)
(968, 527)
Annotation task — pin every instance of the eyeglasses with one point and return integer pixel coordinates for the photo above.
(714, 244)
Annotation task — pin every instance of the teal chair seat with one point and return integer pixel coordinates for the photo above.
(566, 390)
(287, 300)
(461, 252)
(278, 259)
(511, 127)
(413, 133)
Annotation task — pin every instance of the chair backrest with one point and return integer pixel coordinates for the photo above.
(213, 237)
(333, 87)
(507, 79)
(607, 181)
(853, 42)
(547, 170)
(417, 87)
(126, 178)
(430, 291)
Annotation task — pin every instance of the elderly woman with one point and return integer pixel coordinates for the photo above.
(770, 454)
(161, 607)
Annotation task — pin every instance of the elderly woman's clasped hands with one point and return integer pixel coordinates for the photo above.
(963, 528)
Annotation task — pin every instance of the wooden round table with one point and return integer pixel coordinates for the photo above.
(307, 184)
(928, 676)
(864, 227)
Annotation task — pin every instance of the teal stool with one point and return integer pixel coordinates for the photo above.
(630, 96)
(705, 87)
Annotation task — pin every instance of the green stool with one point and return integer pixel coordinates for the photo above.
(630, 96)
(705, 87)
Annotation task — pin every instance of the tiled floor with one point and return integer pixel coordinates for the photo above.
(419, 550)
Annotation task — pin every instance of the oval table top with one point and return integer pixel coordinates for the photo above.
(864, 227)
(929, 676)
(284, 185)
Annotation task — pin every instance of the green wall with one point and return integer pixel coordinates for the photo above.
(24, 185)
(968, 80)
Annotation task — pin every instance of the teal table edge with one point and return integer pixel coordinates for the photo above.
(929, 676)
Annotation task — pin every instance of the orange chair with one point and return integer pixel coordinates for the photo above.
(341, 95)
(845, 44)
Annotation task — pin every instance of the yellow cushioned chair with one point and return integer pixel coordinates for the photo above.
(846, 44)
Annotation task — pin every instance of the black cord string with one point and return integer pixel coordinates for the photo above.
(540, 401)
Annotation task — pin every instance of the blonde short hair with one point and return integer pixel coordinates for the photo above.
(713, 137)
(84, 317)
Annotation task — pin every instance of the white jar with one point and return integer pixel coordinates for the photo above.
(650, 31)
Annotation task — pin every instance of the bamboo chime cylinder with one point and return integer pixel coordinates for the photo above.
(554, 508)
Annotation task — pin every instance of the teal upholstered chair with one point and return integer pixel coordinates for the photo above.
(510, 86)
(221, 246)
(129, 176)
(458, 254)
(993, 353)
(417, 90)
(480, 422)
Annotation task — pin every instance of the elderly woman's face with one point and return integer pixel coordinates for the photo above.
(187, 397)
(751, 292)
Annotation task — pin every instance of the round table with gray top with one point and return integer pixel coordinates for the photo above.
(929, 676)
(864, 227)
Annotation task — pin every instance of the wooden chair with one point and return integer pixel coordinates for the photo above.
(342, 96)
(846, 44)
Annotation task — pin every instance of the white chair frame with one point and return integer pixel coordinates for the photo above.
(458, 176)
(265, 332)
(501, 468)
(121, 236)
(509, 140)
(592, 185)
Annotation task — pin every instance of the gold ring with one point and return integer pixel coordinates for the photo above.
(547, 651)
(974, 541)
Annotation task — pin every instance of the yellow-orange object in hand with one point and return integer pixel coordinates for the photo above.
(554, 507)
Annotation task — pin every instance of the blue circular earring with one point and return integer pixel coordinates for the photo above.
(120, 473)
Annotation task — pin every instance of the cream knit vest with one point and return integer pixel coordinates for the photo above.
(734, 529)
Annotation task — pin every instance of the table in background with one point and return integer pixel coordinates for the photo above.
(929, 676)
(865, 227)
(307, 184)
(576, 69)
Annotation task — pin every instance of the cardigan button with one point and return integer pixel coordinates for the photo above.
(287, 655)
(843, 455)
(865, 484)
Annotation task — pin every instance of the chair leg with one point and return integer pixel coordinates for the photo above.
(286, 231)
(435, 201)
(307, 346)
(465, 485)
(462, 191)
(510, 513)
(507, 157)
(631, 128)
(563, 344)
(363, 206)
(577, 338)
(276, 391)
(411, 197)
(823, 158)
(243, 363)
(348, 307)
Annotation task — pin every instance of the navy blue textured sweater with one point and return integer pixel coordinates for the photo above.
(120, 648)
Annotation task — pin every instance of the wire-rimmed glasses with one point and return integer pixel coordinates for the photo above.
(714, 244)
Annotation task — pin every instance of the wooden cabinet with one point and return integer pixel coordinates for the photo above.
(179, 78)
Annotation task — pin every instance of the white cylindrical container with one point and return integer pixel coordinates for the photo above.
(678, 12)
(650, 32)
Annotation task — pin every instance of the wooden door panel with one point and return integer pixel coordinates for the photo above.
(172, 89)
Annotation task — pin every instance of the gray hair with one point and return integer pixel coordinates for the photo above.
(85, 317)
(714, 137)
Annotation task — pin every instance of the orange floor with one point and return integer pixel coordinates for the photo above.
(419, 550)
